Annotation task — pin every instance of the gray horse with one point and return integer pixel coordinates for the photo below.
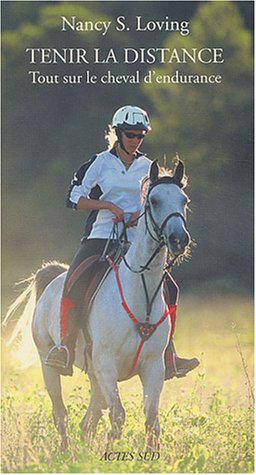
(119, 351)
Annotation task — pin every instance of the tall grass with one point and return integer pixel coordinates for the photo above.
(206, 418)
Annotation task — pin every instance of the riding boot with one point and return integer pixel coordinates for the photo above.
(62, 356)
(174, 365)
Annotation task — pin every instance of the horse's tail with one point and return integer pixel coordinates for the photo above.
(21, 336)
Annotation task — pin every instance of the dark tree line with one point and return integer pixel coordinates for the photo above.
(49, 130)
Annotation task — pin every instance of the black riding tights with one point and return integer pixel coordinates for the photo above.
(94, 247)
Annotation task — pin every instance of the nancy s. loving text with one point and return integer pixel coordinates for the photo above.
(120, 24)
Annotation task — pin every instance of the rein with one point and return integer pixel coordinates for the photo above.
(145, 267)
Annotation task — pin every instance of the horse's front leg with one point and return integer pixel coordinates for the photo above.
(106, 373)
(152, 378)
(59, 412)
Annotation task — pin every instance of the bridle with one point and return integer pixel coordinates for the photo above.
(158, 230)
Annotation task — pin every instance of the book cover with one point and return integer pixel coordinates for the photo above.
(67, 66)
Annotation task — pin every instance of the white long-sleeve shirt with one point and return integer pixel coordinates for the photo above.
(118, 185)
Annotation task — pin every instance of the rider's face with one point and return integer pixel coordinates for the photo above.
(132, 139)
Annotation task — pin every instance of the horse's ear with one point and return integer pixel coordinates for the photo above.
(179, 172)
(154, 171)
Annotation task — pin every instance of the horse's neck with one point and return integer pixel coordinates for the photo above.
(140, 253)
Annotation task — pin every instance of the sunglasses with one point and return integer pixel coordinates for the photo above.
(131, 135)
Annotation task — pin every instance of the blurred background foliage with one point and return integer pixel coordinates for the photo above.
(49, 130)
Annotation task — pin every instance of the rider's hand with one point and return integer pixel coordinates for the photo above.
(118, 212)
(133, 220)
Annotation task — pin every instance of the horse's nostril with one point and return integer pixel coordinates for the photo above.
(178, 243)
(174, 239)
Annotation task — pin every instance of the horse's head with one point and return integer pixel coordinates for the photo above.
(165, 208)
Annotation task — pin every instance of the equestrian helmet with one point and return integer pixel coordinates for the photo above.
(131, 117)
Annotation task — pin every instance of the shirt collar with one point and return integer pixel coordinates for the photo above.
(138, 153)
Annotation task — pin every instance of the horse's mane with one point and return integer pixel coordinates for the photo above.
(166, 175)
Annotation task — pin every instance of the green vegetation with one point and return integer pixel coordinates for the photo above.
(206, 418)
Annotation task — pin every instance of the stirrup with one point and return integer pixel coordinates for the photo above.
(173, 371)
(177, 373)
(55, 362)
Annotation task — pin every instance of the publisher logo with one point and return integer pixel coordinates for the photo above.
(130, 456)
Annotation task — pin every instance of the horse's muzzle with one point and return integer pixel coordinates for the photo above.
(178, 242)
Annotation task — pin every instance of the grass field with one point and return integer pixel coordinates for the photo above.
(206, 418)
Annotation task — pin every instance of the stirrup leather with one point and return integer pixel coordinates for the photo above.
(176, 371)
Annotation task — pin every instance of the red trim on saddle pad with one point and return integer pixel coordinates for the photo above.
(170, 311)
(79, 271)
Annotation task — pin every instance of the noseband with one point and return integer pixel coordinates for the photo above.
(158, 230)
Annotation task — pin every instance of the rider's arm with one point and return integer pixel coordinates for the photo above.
(85, 179)
(88, 203)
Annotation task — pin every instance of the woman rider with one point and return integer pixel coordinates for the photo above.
(109, 185)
